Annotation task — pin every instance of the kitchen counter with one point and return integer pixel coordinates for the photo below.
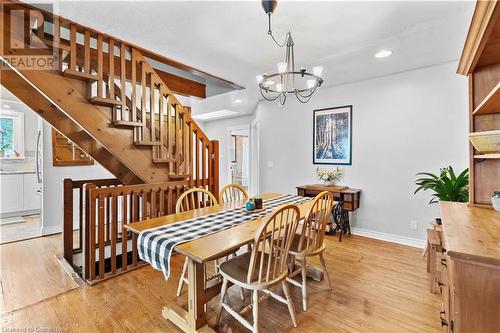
(14, 172)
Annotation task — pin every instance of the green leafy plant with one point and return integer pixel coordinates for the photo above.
(446, 187)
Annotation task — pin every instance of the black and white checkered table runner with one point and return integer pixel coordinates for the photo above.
(156, 245)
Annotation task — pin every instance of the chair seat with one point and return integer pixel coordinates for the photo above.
(236, 270)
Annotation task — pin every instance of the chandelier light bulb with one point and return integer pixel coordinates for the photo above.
(279, 87)
(282, 67)
(268, 83)
(317, 70)
(260, 78)
(311, 83)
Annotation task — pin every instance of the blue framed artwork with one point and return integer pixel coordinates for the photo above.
(332, 135)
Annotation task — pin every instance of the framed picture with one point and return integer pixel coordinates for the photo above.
(332, 135)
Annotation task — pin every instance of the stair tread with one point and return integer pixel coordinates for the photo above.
(164, 160)
(80, 75)
(127, 123)
(105, 101)
(147, 143)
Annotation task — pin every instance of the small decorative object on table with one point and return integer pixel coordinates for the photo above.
(258, 203)
(329, 177)
(495, 200)
(250, 205)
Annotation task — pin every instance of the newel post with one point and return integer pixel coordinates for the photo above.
(215, 167)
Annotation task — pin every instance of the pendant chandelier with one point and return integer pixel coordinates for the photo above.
(288, 80)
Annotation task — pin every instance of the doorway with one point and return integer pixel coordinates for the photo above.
(238, 160)
(20, 170)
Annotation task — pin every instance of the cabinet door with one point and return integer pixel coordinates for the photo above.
(12, 193)
(31, 198)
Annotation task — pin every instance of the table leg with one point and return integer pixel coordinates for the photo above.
(194, 320)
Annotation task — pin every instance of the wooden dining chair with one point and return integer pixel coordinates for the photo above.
(310, 242)
(264, 267)
(232, 192)
(192, 199)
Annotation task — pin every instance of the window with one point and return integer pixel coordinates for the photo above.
(11, 134)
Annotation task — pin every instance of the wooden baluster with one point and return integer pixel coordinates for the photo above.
(197, 140)
(176, 133)
(203, 162)
(91, 230)
(72, 40)
(169, 200)
(111, 71)
(153, 209)
(152, 134)
(107, 201)
(143, 101)
(124, 232)
(123, 76)
(161, 124)
(190, 154)
(86, 56)
(133, 84)
(56, 43)
(209, 161)
(215, 168)
(161, 201)
(100, 229)
(99, 65)
(114, 228)
(169, 128)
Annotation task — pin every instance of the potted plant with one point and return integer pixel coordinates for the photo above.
(446, 187)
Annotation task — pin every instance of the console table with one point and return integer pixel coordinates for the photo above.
(348, 196)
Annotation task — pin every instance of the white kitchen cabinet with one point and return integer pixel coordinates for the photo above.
(12, 193)
(31, 196)
(19, 193)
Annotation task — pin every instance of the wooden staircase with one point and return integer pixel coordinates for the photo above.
(104, 95)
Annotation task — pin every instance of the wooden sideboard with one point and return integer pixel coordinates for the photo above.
(350, 196)
(470, 268)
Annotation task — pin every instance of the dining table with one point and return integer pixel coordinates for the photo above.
(207, 248)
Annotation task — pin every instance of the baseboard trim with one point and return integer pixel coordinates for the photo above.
(55, 229)
(415, 242)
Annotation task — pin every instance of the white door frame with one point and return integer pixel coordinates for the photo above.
(228, 152)
(254, 157)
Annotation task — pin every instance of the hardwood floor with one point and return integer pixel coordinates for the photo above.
(378, 287)
(30, 272)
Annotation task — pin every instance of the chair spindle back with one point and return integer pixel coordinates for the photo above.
(314, 228)
(195, 198)
(272, 243)
(232, 192)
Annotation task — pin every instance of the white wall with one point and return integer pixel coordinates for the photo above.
(53, 184)
(402, 124)
(217, 130)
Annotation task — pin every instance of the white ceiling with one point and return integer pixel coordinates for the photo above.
(229, 38)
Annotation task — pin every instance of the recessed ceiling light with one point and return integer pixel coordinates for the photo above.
(7, 106)
(383, 54)
(213, 115)
(238, 101)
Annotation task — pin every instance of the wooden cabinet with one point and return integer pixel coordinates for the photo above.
(480, 62)
(350, 196)
(470, 276)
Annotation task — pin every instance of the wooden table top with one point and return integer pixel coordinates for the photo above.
(217, 244)
(472, 233)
